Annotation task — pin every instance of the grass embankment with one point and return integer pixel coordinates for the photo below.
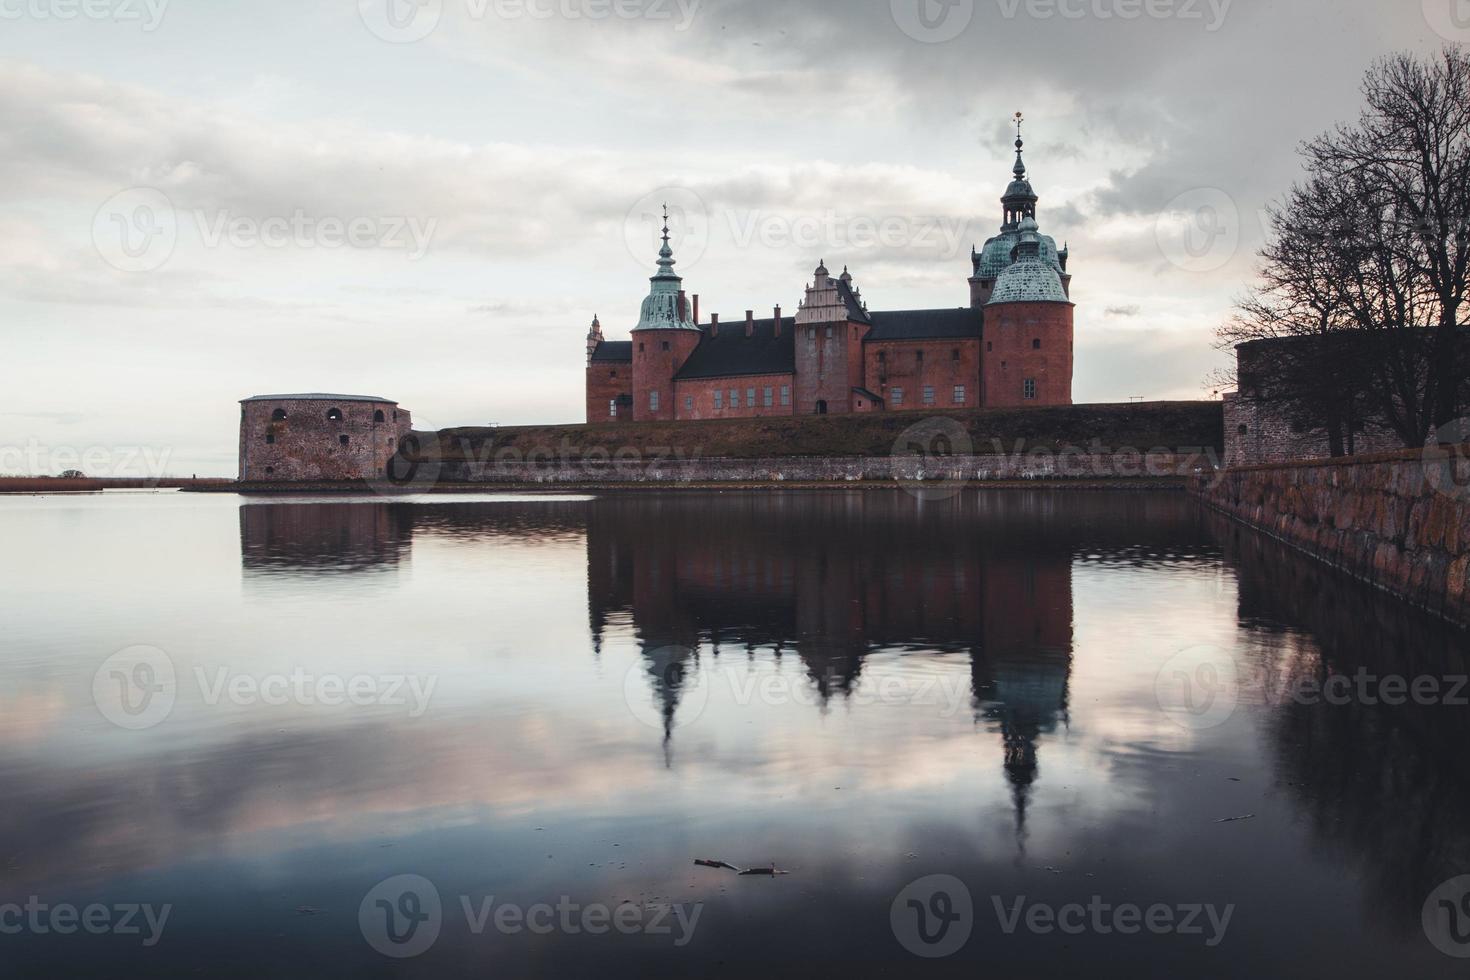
(1142, 427)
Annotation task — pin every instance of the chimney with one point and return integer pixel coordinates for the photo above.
(696, 309)
(683, 306)
(750, 323)
(714, 324)
(778, 321)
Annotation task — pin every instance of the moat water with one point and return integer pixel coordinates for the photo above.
(1002, 734)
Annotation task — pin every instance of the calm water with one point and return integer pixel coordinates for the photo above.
(567, 701)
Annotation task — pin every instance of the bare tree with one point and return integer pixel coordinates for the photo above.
(1407, 160)
(1369, 259)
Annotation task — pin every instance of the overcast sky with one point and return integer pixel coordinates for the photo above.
(210, 199)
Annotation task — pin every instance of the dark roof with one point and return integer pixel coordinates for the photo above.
(926, 324)
(613, 352)
(731, 354)
(855, 309)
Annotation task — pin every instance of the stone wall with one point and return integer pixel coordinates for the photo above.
(1400, 521)
(632, 469)
(1258, 431)
(327, 437)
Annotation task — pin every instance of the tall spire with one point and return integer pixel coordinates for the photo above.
(1020, 169)
(1020, 200)
(666, 254)
(664, 309)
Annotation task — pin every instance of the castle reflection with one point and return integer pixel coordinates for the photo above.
(836, 578)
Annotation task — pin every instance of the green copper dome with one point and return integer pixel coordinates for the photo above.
(1030, 279)
(661, 310)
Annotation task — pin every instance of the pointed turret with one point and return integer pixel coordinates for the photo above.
(665, 307)
(594, 338)
(1020, 199)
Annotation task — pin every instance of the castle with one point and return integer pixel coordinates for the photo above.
(1010, 347)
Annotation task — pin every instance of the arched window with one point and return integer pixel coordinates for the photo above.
(279, 415)
(334, 415)
(379, 417)
(392, 442)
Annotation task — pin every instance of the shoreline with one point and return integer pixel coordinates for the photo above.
(569, 489)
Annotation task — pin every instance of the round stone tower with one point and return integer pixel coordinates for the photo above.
(663, 340)
(319, 437)
(1028, 330)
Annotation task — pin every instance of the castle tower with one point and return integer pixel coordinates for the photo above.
(1018, 205)
(663, 340)
(830, 325)
(594, 338)
(1028, 330)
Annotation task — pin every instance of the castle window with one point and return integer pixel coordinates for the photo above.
(786, 396)
(928, 395)
(379, 417)
(653, 401)
(269, 470)
(1243, 429)
(612, 374)
(719, 399)
(666, 345)
(279, 415)
(959, 394)
(334, 415)
(344, 440)
(954, 355)
(920, 355)
(882, 357)
(1036, 344)
(897, 394)
(392, 442)
(770, 397)
(640, 348)
(270, 439)
(1029, 389)
(990, 345)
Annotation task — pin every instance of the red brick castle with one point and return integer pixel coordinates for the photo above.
(1012, 346)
